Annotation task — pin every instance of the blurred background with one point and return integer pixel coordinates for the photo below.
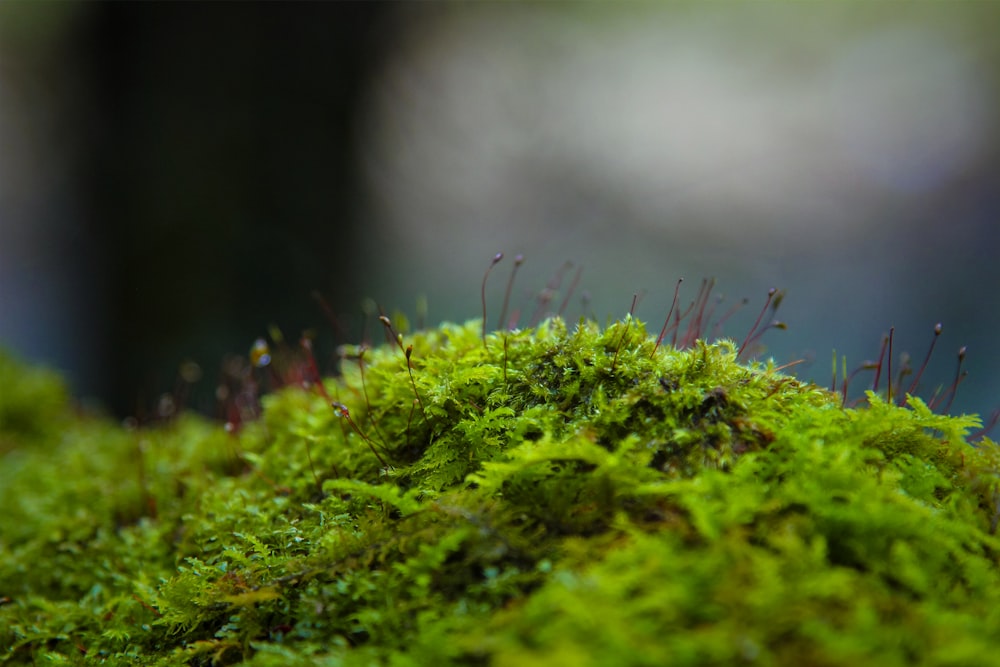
(174, 178)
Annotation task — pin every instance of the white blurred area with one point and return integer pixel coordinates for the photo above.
(821, 149)
(717, 125)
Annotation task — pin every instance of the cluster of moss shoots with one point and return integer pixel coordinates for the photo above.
(559, 494)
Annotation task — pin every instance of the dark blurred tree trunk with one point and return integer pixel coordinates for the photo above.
(223, 176)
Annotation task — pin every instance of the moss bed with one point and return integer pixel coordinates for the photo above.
(560, 495)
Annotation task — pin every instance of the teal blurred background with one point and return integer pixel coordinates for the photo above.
(176, 177)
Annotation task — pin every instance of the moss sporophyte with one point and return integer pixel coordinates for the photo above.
(560, 494)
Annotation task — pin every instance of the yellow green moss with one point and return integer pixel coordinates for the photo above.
(558, 495)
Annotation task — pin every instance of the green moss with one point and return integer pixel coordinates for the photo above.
(558, 496)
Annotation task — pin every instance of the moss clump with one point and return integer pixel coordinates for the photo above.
(555, 496)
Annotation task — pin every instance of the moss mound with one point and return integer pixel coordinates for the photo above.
(557, 496)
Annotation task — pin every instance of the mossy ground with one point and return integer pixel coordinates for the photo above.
(559, 496)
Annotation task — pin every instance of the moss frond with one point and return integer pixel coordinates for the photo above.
(560, 495)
